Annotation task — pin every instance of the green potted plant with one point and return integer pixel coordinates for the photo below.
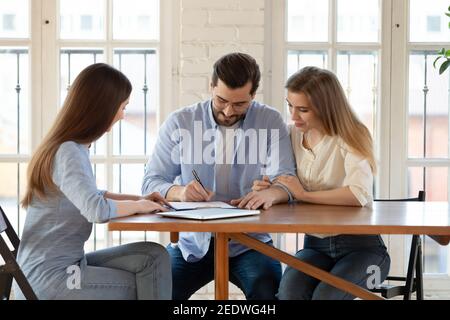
(443, 53)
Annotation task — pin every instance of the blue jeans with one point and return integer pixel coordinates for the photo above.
(345, 256)
(131, 271)
(257, 275)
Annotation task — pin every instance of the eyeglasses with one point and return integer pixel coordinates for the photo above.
(237, 107)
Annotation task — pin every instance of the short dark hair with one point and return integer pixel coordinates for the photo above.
(236, 70)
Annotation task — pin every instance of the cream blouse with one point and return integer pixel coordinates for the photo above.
(330, 165)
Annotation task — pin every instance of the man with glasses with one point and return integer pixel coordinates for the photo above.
(230, 141)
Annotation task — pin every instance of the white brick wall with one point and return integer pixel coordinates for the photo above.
(210, 29)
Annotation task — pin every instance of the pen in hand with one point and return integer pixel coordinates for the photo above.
(195, 193)
(194, 173)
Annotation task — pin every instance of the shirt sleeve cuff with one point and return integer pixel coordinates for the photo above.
(359, 194)
(164, 189)
(112, 209)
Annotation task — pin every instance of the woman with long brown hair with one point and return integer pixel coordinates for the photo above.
(63, 202)
(335, 166)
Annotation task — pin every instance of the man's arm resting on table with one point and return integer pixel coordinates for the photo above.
(174, 193)
(122, 197)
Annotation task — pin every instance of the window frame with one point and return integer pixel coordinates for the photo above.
(44, 63)
(33, 44)
(391, 123)
(401, 48)
(278, 75)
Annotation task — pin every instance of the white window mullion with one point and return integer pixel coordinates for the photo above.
(398, 125)
(428, 163)
(109, 165)
(384, 115)
(278, 52)
(14, 43)
(16, 158)
(50, 64)
(399, 74)
(36, 69)
(332, 34)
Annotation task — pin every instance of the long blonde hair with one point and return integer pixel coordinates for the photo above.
(327, 97)
(91, 104)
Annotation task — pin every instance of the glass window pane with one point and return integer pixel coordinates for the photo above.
(12, 192)
(428, 91)
(299, 59)
(435, 259)
(14, 19)
(140, 123)
(294, 242)
(82, 19)
(307, 20)
(358, 21)
(99, 173)
(14, 90)
(136, 19)
(128, 178)
(358, 73)
(428, 22)
(436, 180)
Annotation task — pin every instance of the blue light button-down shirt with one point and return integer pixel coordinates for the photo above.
(187, 141)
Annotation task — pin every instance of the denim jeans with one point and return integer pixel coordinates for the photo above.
(257, 275)
(345, 256)
(131, 271)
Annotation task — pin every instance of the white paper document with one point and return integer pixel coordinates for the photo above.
(200, 205)
(209, 213)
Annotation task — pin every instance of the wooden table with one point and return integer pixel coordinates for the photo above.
(429, 218)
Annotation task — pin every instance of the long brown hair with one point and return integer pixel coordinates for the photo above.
(91, 104)
(327, 97)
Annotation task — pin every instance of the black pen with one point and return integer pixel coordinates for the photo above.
(194, 173)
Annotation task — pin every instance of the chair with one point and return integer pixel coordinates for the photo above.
(11, 269)
(411, 283)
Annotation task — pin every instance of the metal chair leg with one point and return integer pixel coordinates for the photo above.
(419, 271)
(411, 268)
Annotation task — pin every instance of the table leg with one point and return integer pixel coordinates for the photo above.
(307, 268)
(174, 237)
(221, 266)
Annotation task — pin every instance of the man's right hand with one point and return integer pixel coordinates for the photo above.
(193, 191)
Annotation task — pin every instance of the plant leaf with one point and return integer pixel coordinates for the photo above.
(437, 59)
(447, 53)
(444, 66)
(442, 51)
(447, 14)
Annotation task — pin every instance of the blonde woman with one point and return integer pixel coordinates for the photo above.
(335, 166)
(63, 201)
